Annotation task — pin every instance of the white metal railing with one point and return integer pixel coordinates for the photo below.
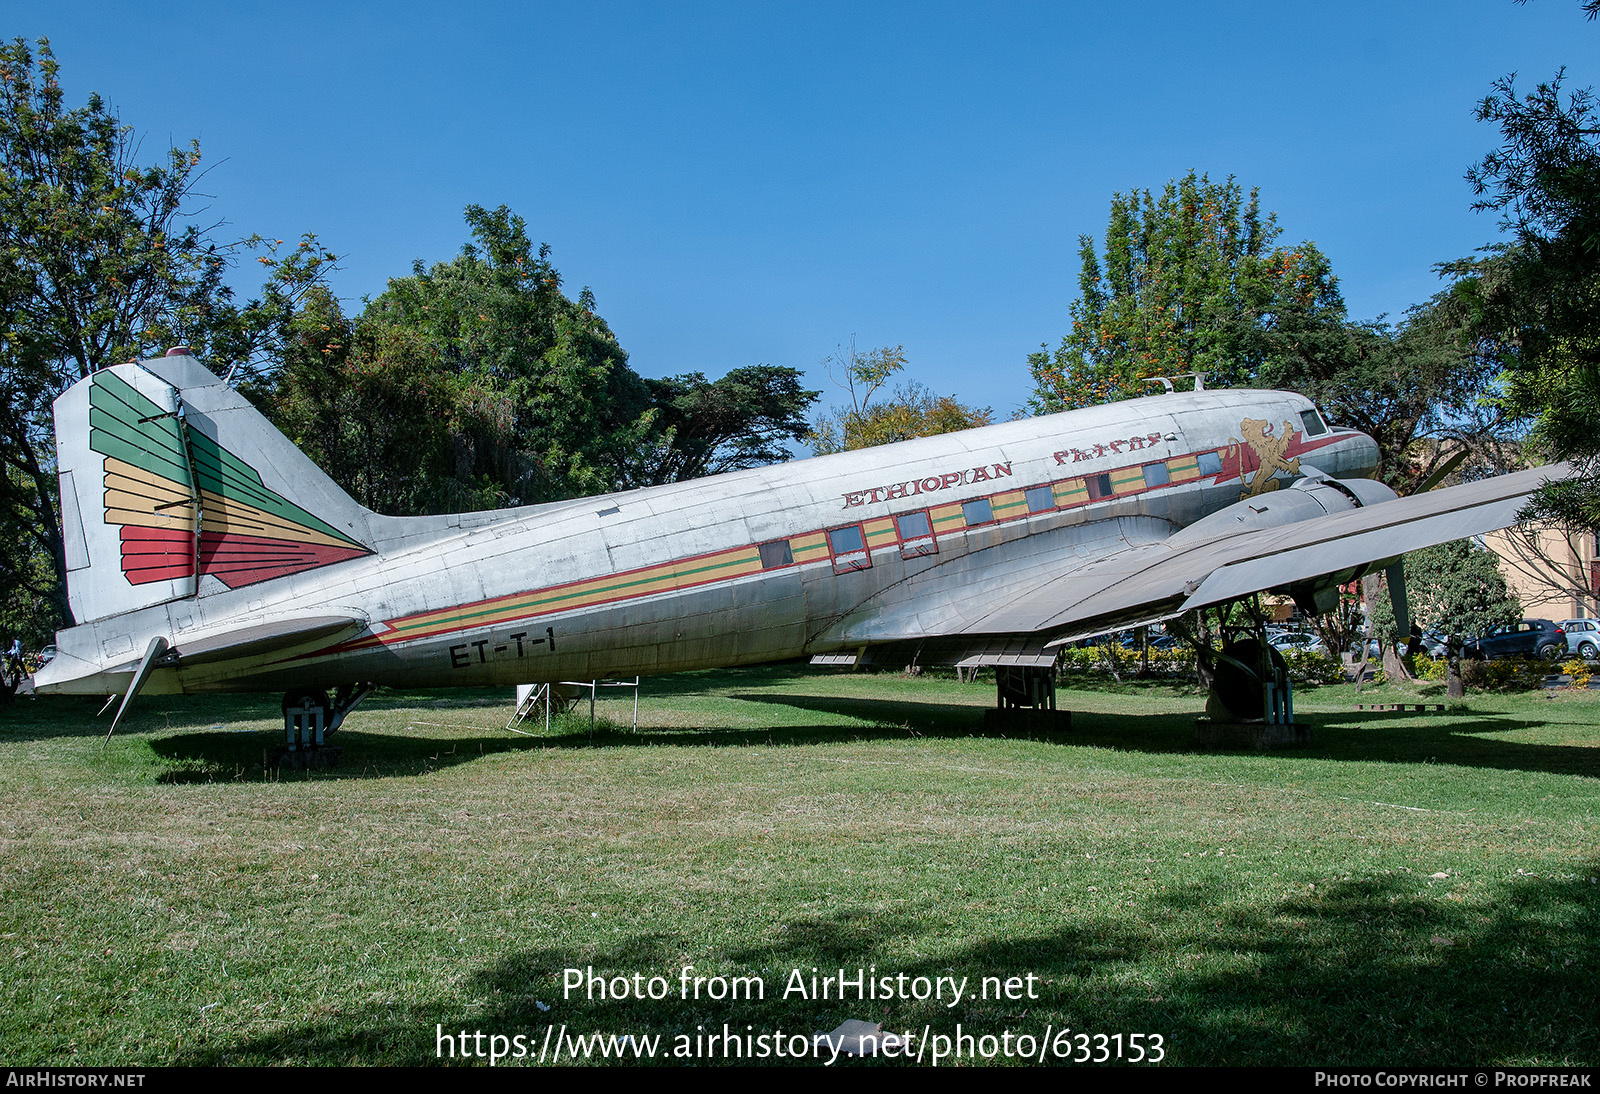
(531, 696)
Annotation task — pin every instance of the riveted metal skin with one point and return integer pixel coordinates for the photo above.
(190, 519)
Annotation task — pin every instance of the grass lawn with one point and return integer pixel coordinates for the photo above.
(1411, 889)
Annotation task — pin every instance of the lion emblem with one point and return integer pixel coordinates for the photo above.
(1269, 449)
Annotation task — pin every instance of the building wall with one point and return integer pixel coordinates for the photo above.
(1555, 575)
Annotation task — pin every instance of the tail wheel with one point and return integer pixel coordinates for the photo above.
(305, 718)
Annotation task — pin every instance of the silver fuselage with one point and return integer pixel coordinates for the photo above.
(752, 566)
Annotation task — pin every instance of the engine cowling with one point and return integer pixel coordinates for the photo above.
(1313, 496)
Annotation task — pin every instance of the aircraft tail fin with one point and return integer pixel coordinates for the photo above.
(174, 486)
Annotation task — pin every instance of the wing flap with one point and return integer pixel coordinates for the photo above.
(954, 597)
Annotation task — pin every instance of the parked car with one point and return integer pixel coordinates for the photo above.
(1435, 644)
(1158, 641)
(1375, 648)
(1304, 643)
(1529, 638)
(1583, 637)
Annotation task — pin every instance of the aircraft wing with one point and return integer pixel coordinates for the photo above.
(1068, 598)
(1156, 582)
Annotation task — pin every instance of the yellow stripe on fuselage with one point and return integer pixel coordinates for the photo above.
(666, 577)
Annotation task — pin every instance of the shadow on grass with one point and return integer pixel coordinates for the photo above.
(63, 716)
(928, 719)
(1458, 739)
(244, 756)
(79, 715)
(60, 716)
(243, 727)
(1378, 736)
(247, 756)
(227, 757)
(1379, 971)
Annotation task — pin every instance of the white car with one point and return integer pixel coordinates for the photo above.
(1303, 643)
(1583, 637)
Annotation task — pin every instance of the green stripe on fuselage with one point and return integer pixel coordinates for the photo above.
(533, 602)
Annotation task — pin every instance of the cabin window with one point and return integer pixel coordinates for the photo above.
(1156, 474)
(1040, 499)
(1312, 420)
(1210, 464)
(977, 512)
(1099, 486)
(776, 554)
(849, 549)
(916, 534)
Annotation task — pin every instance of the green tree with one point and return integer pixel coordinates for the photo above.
(369, 405)
(910, 411)
(100, 262)
(546, 404)
(1425, 379)
(478, 383)
(707, 427)
(1537, 296)
(1456, 589)
(1191, 280)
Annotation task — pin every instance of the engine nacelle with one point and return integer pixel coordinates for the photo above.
(1314, 496)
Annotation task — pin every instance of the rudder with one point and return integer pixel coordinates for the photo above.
(173, 486)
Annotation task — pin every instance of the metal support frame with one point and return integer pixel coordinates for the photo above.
(1024, 687)
(530, 696)
(305, 726)
(345, 700)
(310, 717)
(1276, 689)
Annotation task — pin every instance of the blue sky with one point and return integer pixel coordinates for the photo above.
(744, 183)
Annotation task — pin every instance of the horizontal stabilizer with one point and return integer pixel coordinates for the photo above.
(75, 671)
(262, 638)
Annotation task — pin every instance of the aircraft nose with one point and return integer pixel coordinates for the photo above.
(1358, 456)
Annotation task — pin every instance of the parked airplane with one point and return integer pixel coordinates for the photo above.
(205, 553)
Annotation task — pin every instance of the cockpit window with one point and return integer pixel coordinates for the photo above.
(1315, 426)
